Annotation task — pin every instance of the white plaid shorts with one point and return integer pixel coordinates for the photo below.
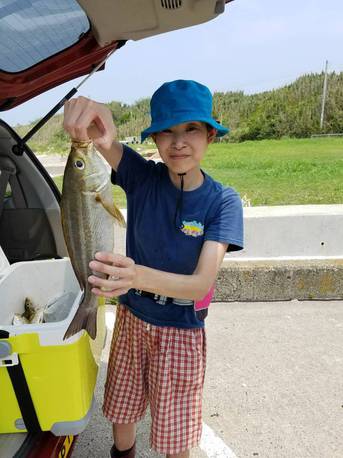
(162, 366)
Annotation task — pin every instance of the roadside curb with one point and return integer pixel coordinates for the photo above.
(280, 280)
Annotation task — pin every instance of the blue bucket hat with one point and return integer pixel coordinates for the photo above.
(181, 101)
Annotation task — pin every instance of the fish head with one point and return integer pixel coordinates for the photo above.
(87, 168)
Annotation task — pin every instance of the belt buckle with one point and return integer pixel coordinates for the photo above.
(183, 302)
(160, 299)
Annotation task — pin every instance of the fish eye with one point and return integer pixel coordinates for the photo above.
(79, 164)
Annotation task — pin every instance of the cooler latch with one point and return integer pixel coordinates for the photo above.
(7, 358)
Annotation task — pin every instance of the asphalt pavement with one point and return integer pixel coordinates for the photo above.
(273, 385)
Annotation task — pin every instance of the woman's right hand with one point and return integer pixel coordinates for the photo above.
(85, 120)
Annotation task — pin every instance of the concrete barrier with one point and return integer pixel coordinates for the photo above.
(291, 252)
(280, 280)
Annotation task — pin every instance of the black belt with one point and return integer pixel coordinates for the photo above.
(163, 300)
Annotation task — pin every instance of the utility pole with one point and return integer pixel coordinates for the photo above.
(325, 87)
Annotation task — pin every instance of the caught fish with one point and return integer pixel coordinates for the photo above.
(31, 315)
(29, 309)
(88, 216)
(19, 319)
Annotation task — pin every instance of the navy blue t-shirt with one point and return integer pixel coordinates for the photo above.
(154, 239)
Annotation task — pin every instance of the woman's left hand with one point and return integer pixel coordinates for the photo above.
(121, 272)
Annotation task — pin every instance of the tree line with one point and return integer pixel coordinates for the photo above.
(290, 111)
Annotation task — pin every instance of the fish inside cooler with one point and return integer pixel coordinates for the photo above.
(49, 287)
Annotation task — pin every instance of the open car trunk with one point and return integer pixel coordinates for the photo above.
(137, 19)
(30, 227)
(69, 40)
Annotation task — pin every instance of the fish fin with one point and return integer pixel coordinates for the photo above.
(112, 209)
(83, 319)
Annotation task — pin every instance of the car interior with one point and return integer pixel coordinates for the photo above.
(30, 227)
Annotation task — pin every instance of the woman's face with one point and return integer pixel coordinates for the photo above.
(183, 146)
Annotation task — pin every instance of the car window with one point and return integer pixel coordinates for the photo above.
(33, 30)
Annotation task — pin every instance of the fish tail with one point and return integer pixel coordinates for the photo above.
(83, 319)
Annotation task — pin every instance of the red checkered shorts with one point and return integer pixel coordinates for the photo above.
(162, 366)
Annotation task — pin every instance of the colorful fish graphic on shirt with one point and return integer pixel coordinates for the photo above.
(192, 228)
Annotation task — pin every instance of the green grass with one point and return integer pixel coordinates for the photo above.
(281, 172)
(275, 172)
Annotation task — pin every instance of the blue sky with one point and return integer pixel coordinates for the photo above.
(255, 45)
